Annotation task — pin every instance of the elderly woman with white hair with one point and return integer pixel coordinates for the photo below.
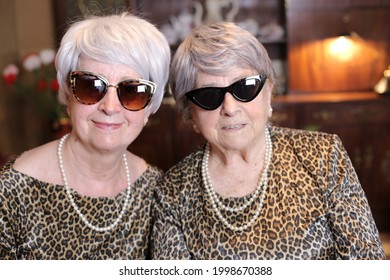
(86, 196)
(253, 190)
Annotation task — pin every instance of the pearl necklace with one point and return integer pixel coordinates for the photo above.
(262, 186)
(75, 207)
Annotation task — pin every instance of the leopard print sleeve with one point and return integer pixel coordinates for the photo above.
(350, 218)
(168, 240)
(7, 236)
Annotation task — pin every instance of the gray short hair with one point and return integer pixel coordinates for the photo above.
(122, 39)
(214, 49)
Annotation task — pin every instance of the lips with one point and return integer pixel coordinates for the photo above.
(107, 126)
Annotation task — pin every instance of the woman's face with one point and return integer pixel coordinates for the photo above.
(235, 125)
(106, 125)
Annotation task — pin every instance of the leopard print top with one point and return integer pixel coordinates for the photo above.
(315, 208)
(37, 220)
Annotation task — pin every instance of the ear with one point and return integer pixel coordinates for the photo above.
(68, 110)
(270, 112)
(269, 98)
(195, 128)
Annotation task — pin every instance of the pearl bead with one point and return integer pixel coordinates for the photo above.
(73, 203)
(262, 186)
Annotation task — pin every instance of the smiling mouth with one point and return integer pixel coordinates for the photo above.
(109, 126)
(237, 126)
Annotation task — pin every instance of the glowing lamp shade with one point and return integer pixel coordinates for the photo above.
(343, 48)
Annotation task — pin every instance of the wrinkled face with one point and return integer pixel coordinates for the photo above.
(106, 125)
(234, 125)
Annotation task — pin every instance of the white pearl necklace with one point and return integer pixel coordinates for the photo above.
(75, 207)
(262, 186)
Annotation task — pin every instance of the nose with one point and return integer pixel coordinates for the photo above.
(110, 103)
(229, 104)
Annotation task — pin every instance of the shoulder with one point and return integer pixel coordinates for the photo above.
(313, 149)
(40, 163)
(13, 186)
(304, 139)
(152, 174)
(7, 172)
(154, 171)
(142, 171)
(319, 153)
(300, 134)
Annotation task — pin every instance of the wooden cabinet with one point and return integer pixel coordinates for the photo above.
(259, 17)
(320, 61)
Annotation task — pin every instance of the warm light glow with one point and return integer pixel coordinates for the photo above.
(381, 86)
(342, 48)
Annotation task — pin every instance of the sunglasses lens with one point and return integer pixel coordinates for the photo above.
(133, 95)
(88, 88)
(208, 98)
(247, 89)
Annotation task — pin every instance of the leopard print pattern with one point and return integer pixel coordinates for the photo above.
(315, 208)
(37, 220)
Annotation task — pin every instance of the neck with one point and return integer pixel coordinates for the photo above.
(237, 173)
(90, 173)
(250, 154)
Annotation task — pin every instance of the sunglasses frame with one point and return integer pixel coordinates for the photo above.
(191, 94)
(73, 74)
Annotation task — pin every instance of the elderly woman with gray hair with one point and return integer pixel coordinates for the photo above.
(253, 190)
(86, 196)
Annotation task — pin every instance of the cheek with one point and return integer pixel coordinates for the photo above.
(78, 111)
(258, 111)
(80, 115)
(136, 119)
(203, 120)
